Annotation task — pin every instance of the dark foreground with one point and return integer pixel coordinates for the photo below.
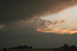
(29, 50)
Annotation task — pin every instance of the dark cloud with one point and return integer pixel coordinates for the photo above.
(12, 37)
(12, 11)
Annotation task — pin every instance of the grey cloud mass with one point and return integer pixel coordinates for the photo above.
(13, 11)
(39, 23)
(12, 37)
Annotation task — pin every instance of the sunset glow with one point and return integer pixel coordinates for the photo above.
(64, 20)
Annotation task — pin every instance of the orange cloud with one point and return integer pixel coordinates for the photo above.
(45, 26)
(59, 31)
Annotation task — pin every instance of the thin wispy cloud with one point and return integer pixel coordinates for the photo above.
(58, 30)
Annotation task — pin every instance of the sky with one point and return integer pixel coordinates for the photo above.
(69, 18)
(38, 23)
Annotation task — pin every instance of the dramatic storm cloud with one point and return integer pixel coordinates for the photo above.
(39, 23)
(12, 11)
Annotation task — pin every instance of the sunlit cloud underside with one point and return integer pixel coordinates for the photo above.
(61, 23)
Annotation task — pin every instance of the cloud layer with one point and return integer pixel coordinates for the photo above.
(42, 24)
(47, 26)
(58, 30)
(12, 11)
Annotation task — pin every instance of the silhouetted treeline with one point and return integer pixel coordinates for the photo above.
(21, 47)
(63, 48)
(18, 47)
(67, 48)
(4, 49)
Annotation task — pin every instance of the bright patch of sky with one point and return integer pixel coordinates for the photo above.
(69, 15)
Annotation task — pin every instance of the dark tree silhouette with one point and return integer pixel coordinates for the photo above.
(19, 47)
(26, 46)
(4, 49)
(66, 47)
(30, 47)
(73, 48)
(60, 49)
